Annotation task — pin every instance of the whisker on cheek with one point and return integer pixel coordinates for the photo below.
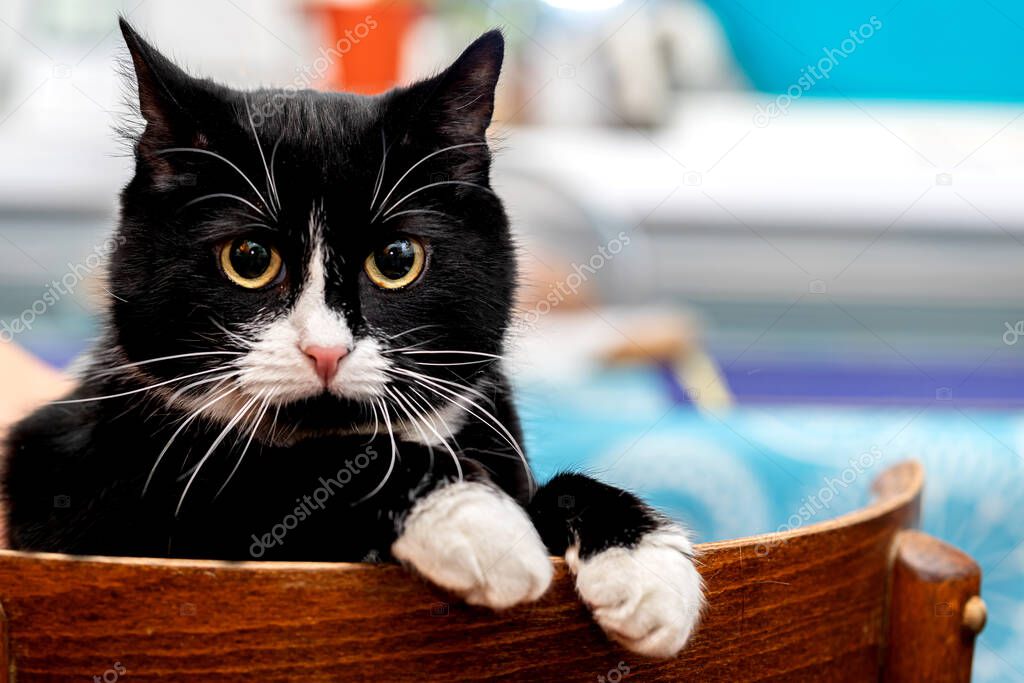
(213, 447)
(418, 419)
(256, 425)
(185, 423)
(394, 455)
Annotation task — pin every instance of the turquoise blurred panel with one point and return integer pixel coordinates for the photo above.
(938, 49)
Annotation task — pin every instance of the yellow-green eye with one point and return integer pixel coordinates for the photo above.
(249, 263)
(396, 264)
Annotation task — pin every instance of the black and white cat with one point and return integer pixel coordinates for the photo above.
(301, 361)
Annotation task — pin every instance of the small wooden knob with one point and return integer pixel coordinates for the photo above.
(975, 614)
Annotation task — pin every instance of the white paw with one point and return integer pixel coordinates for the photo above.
(478, 543)
(648, 598)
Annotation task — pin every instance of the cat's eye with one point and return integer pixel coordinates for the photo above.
(250, 263)
(396, 264)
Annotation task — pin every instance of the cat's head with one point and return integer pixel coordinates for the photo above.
(322, 256)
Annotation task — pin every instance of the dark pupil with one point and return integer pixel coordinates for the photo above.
(395, 260)
(250, 259)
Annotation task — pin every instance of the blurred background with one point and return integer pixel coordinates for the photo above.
(766, 246)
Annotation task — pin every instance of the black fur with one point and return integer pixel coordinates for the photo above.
(75, 472)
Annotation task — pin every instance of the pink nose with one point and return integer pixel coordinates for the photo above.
(326, 359)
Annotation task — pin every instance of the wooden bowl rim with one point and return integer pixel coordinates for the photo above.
(894, 488)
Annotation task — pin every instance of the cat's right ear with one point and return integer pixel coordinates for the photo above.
(166, 98)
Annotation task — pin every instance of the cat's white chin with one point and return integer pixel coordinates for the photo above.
(478, 543)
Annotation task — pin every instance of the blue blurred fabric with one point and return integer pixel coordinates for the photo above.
(768, 467)
(934, 49)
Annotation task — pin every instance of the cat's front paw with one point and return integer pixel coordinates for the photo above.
(477, 542)
(648, 597)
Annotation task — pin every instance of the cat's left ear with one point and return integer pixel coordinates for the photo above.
(462, 96)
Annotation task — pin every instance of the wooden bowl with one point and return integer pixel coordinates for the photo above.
(823, 602)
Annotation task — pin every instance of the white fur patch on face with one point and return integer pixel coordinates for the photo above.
(276, 362)
(477, 542)
(648, 598)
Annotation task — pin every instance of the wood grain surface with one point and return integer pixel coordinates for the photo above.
(808, 604)
(932, 584)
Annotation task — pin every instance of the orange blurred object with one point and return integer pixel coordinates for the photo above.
(365, 42)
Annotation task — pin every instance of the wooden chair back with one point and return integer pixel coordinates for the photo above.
(855, 598)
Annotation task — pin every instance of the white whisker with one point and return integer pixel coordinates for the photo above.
(410, 331)
(380, 173)
(266, 169)
(178, 393)
(399, 399)
(376, 424)
(216, 442)
(394, 455)
(237, 338)
(226, 195)
(137, 391)
(407, 348)
(408, 212)
(255, 427)
(454, 351)
(445, 365)
(425, 406)
(114, 370)
(185, 423)
(273, 173)
(460, 400)
(414, 166)
(196, 150)
(273, 425)
(433, 185)
(447, 383)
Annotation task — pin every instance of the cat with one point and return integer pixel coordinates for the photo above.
(301, 360)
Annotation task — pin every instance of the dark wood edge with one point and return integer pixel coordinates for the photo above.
(6, 657)
(895, 488)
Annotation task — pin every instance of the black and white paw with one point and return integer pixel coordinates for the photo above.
(477, 542)
(647, 597)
